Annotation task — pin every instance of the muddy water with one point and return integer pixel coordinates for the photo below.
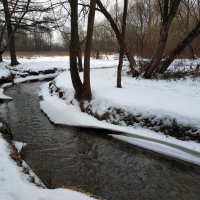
(89, 159)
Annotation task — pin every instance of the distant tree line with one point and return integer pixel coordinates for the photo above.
(37, 41)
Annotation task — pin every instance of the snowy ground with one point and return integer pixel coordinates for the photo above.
(4, 76)
(3, 97)
(60, 62)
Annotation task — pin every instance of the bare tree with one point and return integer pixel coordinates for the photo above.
(122, 45)
(87, 94)
(168, 9)
(179, 48)
(74, 44)
(11, 40)
(118, 36)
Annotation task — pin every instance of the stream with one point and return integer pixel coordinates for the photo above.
(92, 160)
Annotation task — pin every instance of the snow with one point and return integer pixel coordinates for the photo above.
(4, 72)
(14, 185)
(67, 112)
(38, 77)
(179, 100)
(3, 97)
(57, 62)
(176, 99)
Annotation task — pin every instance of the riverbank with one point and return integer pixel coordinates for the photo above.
(141, 113)
(16, 178)
(160, 115)
(154, 114)
(16, 185)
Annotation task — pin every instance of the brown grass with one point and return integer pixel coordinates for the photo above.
(27, 54)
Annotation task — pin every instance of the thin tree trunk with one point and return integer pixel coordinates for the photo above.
(119, 69)
(191, 50)
(79, 56)
(122, 45)
(131, 60)
(159, 52)
(11, 40)
(87, 94)
(1, 58)
(74, 43)
(1, 41)
(132, 63)
(97, 54)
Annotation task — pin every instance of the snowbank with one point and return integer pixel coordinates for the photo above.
(175, 99)
(3, 97)
(161, 98)
(14, 185)
(4, 72)
(5, 75)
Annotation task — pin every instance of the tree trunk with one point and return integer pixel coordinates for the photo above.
(79, 56)
(1, 58)
(119, 69)
(1, 42)
(11, 40)
(74, 43)
(122, 45)
(159, 52)
(179, 48)
(191, 50)
(87, 94)
(97, 54)
(132, 62)
(167, 17)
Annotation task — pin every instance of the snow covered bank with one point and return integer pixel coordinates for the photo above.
(145, 109)
(178, 100)
(4, 98)
(164, 99)
(5, 75)
(14, 184)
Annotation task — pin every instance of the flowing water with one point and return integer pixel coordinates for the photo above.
(90, 159)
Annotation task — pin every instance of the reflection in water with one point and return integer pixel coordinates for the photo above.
(92, 160)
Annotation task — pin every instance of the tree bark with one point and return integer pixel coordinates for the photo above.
(11, 40)
(122, 45)
(1, 41)
(131, 60)
(1, 58)
(191, 50)
(179, 48)
(74, 43)
(97, 54)
(167, 17)
(132, 63)
(87, 94)
(79, 56)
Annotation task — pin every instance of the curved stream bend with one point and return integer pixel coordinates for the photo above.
(88, 158)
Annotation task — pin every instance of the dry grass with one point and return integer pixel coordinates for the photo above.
(25, 54)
